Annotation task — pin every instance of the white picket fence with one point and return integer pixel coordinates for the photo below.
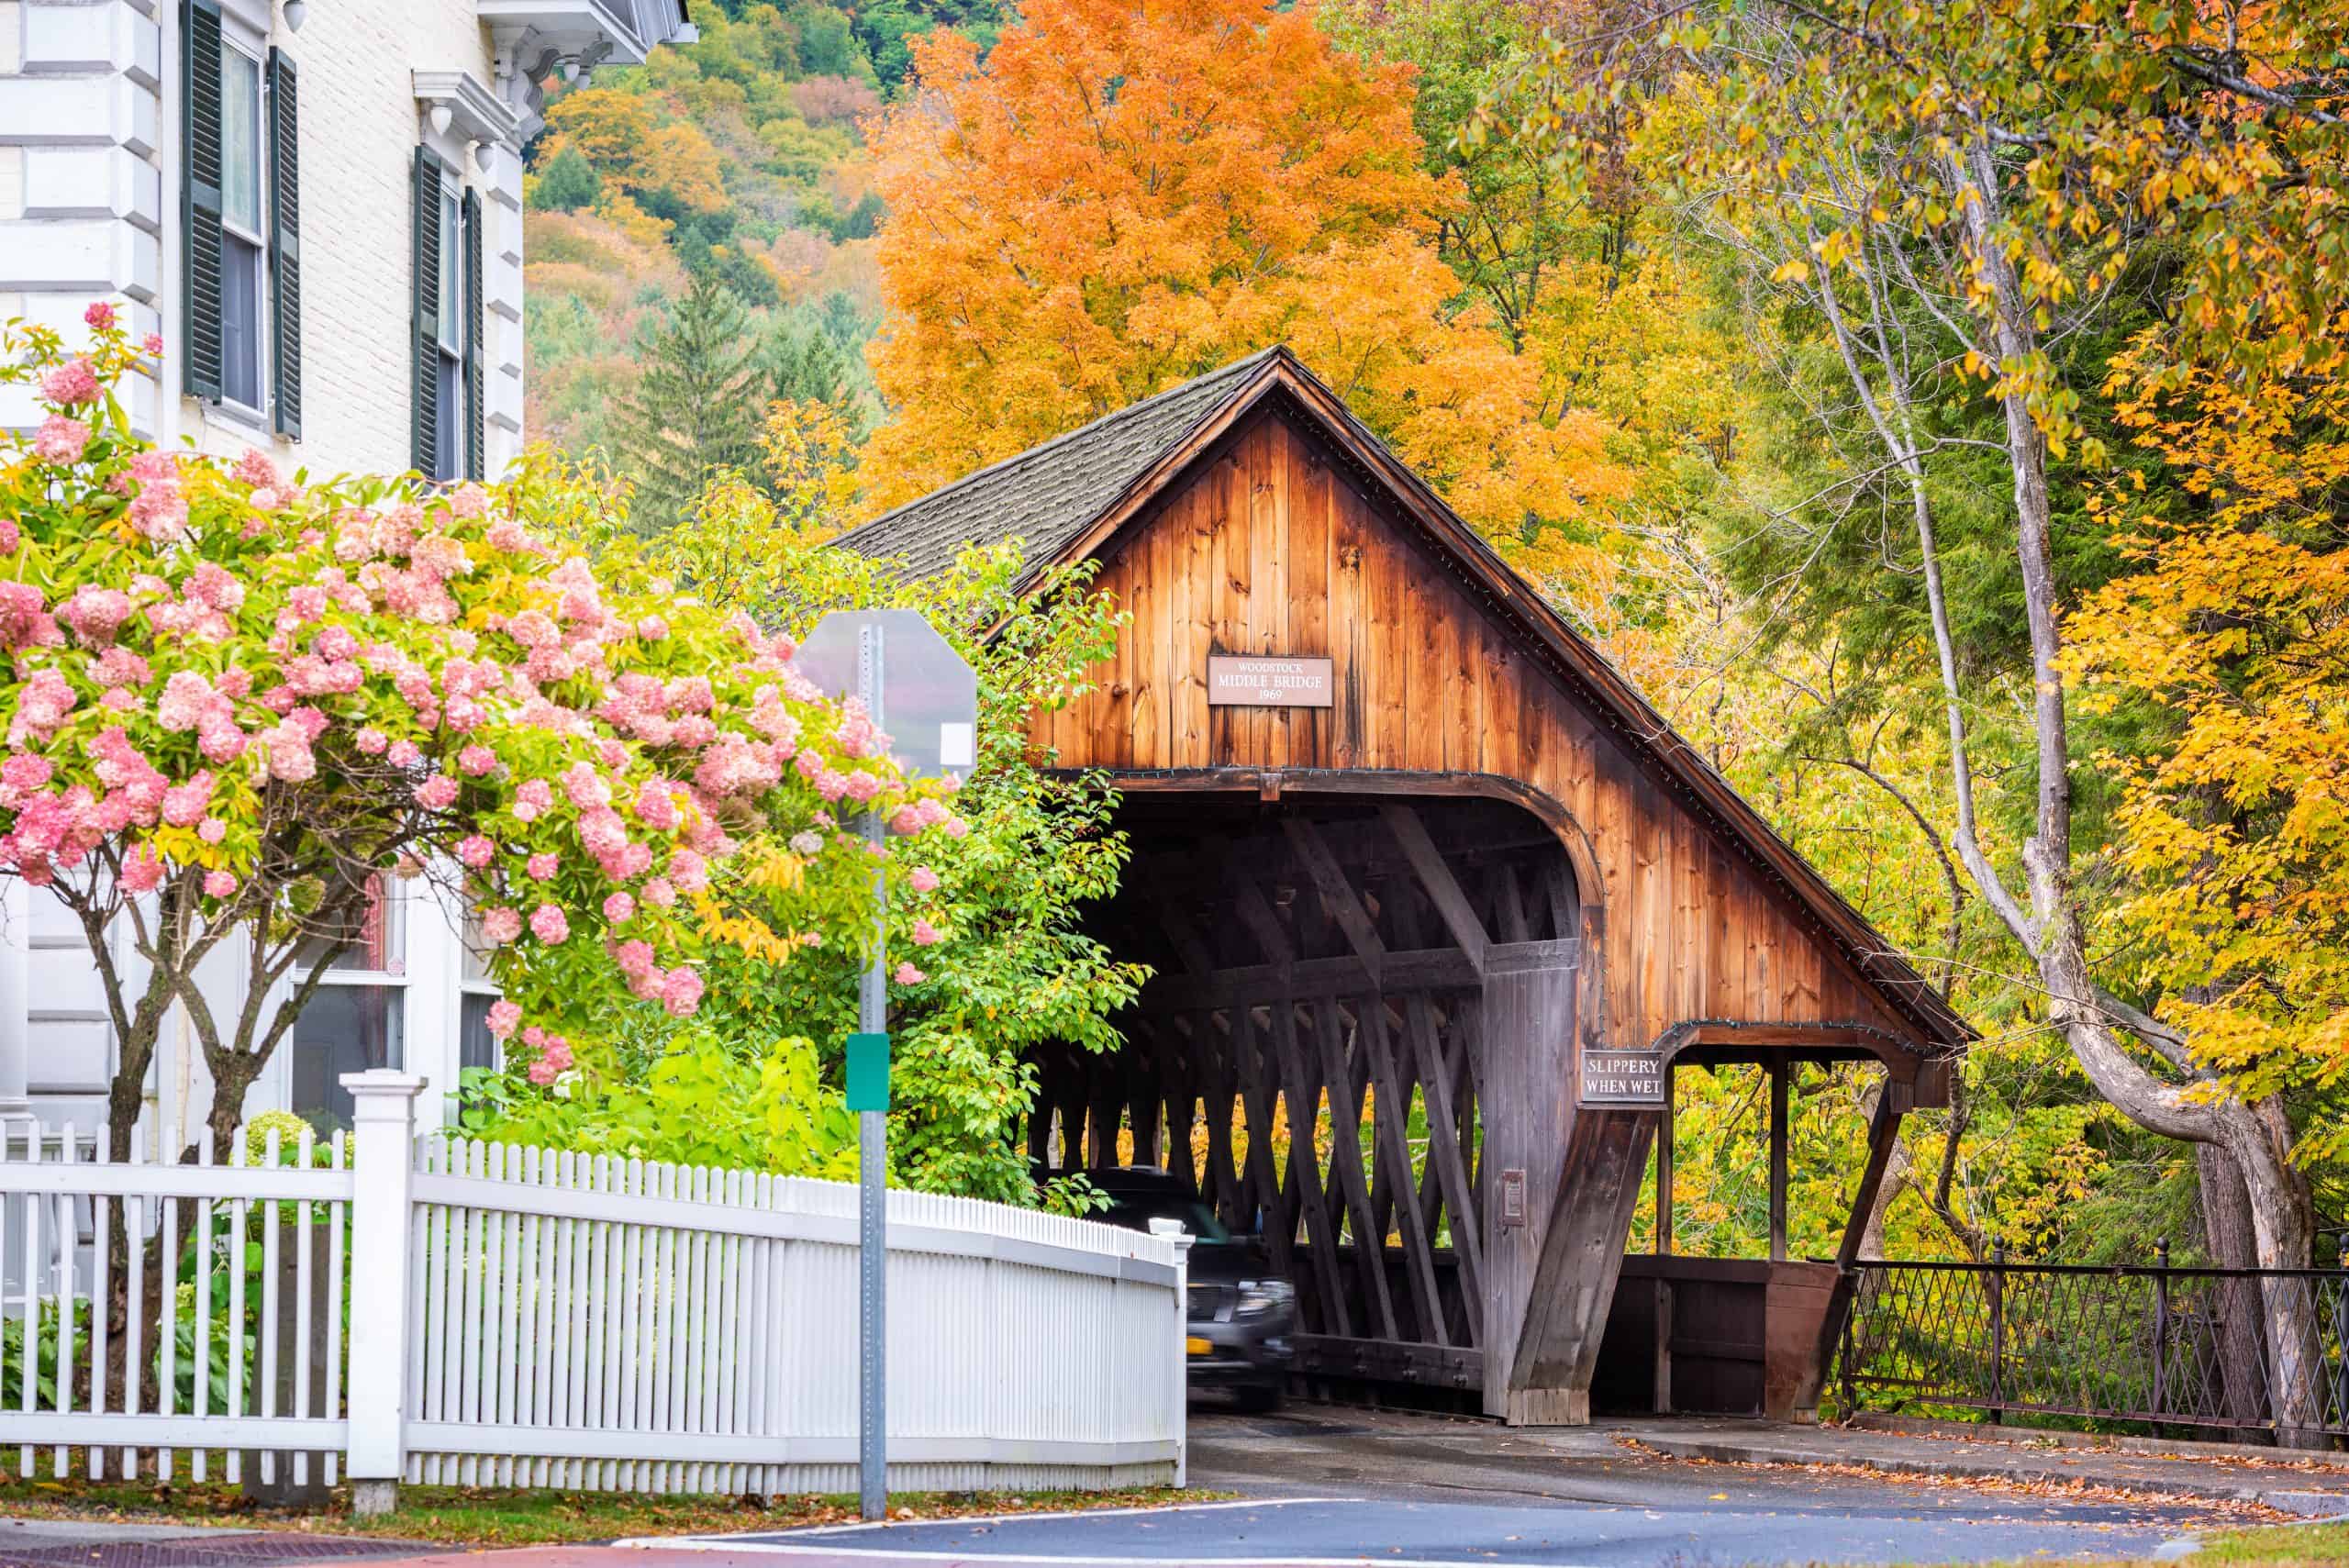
(442, 1311)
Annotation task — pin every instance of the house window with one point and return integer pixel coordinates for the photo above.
(448, 413)
(353, 1022)
(476, 1046)
(446, 425)
(242, 241)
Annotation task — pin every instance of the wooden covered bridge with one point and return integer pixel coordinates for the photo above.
(1411, 858)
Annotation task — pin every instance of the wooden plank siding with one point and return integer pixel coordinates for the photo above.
(1273, 544)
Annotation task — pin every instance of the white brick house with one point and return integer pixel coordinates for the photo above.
(316, 204)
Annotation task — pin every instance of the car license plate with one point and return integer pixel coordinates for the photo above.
(1196, 1346)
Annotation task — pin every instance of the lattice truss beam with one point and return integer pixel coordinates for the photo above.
(1320, 967)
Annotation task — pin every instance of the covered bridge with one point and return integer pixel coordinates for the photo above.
(1416, 870)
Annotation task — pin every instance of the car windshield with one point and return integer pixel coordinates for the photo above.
(1136, 1210)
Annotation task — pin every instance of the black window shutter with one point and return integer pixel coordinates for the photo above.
(424, 425)
(284, 245)
(474, 463)
(200, 196)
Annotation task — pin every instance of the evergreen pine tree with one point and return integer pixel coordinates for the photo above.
(695, 406)
(808, 366)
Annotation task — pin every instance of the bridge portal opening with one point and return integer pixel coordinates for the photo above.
(1353, 1044)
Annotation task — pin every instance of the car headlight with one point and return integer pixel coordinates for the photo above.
(1259, 1297)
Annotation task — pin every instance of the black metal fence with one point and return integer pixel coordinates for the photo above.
(2233, 1350)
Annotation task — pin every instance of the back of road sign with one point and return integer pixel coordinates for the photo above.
(930, 697)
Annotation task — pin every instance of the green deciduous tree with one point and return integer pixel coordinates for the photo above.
(567, 182)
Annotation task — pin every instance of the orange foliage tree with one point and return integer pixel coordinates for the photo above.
(1120, 197)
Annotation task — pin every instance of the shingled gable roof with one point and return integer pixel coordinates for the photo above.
(1064, 501)
(1046, 494)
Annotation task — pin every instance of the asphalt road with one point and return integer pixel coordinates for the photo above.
(1459, 1534)
(1319, 1485)
(1335, 1486)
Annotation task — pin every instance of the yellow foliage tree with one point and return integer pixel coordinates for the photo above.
(1119, 197)
(614, 131)
(809, 450)
(683, 160)
(2235, 629)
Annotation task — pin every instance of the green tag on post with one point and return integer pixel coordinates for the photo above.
(868, 1071)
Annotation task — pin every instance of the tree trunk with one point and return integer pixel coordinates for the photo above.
(2255, 1134)
(233, 1073)
(2283, 1216)
(1897, 1171)
(2228, 1237)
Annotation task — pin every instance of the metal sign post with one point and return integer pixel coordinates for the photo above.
(924, 689)
(871, 1150)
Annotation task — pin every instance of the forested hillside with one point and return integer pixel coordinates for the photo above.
(1968, 495)
(738, 158)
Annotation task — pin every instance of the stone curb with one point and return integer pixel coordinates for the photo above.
(2091, 1442)
(2300, 1501)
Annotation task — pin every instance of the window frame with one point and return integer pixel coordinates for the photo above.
(392, 901)
(450, 425)
(234, 40)
(469, 986)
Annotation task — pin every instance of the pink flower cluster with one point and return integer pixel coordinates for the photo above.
(75, 381)
(56, 830)
(95, 613)
(553, 1058)
(678, 990)
(159, 510)
(25, 620)
(588, 763)
(41, 706)
(61, 439)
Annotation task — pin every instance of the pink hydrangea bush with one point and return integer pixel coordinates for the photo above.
(246, 695)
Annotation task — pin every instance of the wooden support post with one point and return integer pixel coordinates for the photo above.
(1778, 1073)
(1662, 1397)
(1664, 1171)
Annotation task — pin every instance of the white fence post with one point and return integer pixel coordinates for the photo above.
(1171, 1230)
(382, 1153)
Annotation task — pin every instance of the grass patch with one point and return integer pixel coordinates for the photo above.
(461, 1516)
(2276, 1544)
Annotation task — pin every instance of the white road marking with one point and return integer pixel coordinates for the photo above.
(1054, 1514)
(818, 1541)
(1082, 1559)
